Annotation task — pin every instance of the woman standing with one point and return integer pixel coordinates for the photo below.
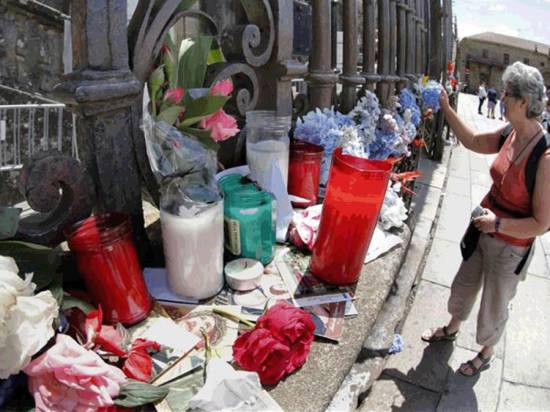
(512, 216)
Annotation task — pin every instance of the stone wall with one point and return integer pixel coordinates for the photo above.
(31, 44)
(31, 59)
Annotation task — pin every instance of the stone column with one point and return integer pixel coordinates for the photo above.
(102, 89)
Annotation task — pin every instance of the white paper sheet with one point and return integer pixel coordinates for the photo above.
(381, 243)
(157, 283)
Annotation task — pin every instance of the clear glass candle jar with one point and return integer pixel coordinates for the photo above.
(267, 144)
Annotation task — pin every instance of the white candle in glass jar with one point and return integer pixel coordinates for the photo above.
(193, 251)
(261, 155)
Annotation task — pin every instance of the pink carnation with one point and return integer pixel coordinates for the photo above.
(222, 88)
(221, 125)
(70, 378)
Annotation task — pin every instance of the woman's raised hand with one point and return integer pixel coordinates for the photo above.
(444, 99)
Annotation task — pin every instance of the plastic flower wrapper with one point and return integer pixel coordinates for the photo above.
(226, 389)
(323, 128)
(25, 320)
(430, 94)
(184, 168)
(393, 212)
(407, 100)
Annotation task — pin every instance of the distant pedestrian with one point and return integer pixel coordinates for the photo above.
(498, 244)
(482, 94)
(491, 102)
(501, 106)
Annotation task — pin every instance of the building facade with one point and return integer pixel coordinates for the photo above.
(483, 57)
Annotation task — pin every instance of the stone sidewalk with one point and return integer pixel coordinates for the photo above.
(423, 377)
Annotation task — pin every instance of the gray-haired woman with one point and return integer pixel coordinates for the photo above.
(497, 254)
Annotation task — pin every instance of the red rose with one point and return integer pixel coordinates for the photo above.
(293, 326)
(258, 351)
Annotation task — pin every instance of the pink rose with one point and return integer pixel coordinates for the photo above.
(222, 88)
(70, 378)
(221, 125)
(174, 95)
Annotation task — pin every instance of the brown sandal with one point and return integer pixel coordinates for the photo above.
(476, 369)
(447, 337)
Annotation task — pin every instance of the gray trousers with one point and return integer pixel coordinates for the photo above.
(492, 266)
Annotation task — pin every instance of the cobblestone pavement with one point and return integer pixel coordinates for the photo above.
(423, 377)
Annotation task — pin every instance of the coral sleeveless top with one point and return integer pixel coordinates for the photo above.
(508, 197)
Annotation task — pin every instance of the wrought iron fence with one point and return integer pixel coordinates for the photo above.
(266, 44)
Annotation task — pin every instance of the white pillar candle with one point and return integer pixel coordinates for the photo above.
(193, 250)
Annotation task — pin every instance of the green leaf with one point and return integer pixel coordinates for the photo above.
(202, 107)
(215, 55)
(203, 136)
(170, 115)
(193, 61)
(171, 67)
(156, 80)
(40, 260)
(134, 394)
(73, 302)
(56, 287)
(9, 221)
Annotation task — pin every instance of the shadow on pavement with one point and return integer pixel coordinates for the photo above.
(431, 378)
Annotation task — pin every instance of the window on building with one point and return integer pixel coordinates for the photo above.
(485, 53)
(526, 60)
(541, 64)
(506, 59)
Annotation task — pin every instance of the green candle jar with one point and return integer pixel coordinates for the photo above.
(249, 225)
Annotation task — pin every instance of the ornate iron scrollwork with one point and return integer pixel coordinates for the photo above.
(253, 41)
(244, 79)
(58, 187)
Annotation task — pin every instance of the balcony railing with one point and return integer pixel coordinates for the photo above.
(28, 128)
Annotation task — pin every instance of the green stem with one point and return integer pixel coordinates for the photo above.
(233, 317)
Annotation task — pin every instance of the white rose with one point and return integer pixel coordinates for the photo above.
(25, 320)
(7, 263)
(28, 326)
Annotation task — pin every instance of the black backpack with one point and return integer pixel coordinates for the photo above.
(533, 161)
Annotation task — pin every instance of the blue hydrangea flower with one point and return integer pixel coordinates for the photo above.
(323, 128)
(430, 94)
(407, 100)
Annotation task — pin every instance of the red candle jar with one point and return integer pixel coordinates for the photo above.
(355, 193)
(304, 171)
(107, 259)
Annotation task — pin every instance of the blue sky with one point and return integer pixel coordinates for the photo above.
(528, 19)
